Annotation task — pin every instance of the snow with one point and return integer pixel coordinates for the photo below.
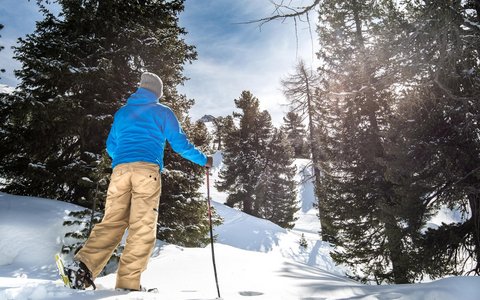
(255, 258)
(445, 215)
(6, 89)
(30, 232)
(37, 166)
(86, 179)
(307, 215)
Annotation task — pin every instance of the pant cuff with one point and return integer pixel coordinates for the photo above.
(127, 284)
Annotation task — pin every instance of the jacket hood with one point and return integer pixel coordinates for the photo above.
(142, 96)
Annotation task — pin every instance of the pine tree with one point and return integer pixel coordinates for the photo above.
(296, 134)
(373, 226)
(300, 88)
(183, 210)
(242, 154)
(83, 221)
(442, 111)
(276, 190)
(258, 172)
(219, 132)
(5, 118)
(303, 242)
(76, 72)
(78, 69)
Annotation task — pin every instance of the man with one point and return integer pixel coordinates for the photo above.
(136, 144)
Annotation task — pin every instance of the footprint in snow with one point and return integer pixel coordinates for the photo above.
(250, 293)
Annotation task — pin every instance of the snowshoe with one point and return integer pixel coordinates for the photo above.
(62, 271)
(80, 276)
(75, 276)
(142, 289)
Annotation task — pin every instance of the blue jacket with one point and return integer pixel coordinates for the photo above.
(140, 129)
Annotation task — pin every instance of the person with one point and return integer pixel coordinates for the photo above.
(136, 145)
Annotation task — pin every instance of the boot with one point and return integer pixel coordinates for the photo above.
(80, 276)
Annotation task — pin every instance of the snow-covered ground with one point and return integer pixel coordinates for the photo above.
(255, 259)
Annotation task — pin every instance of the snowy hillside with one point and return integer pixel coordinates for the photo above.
(255, 258)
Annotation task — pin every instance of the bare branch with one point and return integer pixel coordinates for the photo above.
(292, 12)
(283, 11)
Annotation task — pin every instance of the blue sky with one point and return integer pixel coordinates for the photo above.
(232, 57)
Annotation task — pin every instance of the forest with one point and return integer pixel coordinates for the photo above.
(390, 122)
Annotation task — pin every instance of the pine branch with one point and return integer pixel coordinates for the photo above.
(449, 92)
(447, 185)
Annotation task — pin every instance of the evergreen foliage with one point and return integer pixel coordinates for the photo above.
(373, 225)
(77, 69)
(219, 133)
(296, 134)
(399, 136)
(443, 104)
(303, 242)
(276, 188)
(257, 159)
(183, 209)
(83, 221)
(242, 154)
(392, 120)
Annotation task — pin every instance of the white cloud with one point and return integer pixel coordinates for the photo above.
(238, 57)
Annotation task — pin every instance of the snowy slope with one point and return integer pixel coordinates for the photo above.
(30, 235)
(255, 258)
(31, 232)
(307, 215)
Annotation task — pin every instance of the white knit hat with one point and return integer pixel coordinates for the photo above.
(152, 82)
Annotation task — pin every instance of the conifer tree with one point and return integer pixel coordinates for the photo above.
(373, 226)
(220, 131)
(5, 119)
(295, 130)
(243, 154)
(412, 155)
(276, 189)
(227, 127)
(257, 165)
(300, 88)
(442, 112)
(183, 210)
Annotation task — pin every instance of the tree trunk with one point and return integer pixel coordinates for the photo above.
(397, 256)
(474, 200)
(326, 234)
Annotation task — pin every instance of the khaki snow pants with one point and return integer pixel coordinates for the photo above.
(132, 203)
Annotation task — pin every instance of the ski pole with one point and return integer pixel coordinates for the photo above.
(211, 232)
